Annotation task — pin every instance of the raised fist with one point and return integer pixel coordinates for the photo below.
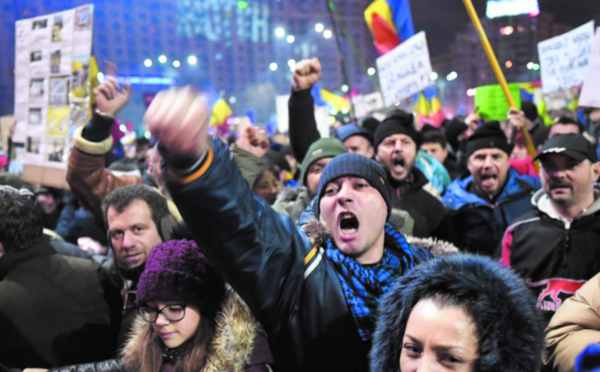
(179, 119)
(252, 139)
(307, 73)
(110, 99)
(516, 118)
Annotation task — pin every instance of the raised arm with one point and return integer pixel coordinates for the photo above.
(258, 251)
(303, 126)
(87, 176)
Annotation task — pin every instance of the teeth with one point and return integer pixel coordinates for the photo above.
(348, 231)
(346, 215)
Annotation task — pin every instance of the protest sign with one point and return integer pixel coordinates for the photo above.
(366, 104)
(491, 102)
(283, 125)
(405, 70)
(564, 59)
(590, 92)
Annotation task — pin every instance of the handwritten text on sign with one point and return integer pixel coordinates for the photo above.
(405, 70)
(590, 93)
(564, 59)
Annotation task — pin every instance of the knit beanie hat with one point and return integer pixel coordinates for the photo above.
(398, 122)
(354, 165)
(349, 130)
(177, 271)
(488, 135)
(454, 128)
(529, 109)
(322, 148)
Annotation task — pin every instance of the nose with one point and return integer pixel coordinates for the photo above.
(128, 240)
(161, 320)
(488, 162)
(398, 146)
(427, 364)
(345, 195)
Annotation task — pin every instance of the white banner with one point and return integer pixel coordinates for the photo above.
(590, 93)
(564, 59)
(365, 105)
(405, 70)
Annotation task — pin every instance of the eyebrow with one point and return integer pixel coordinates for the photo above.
(438, 348)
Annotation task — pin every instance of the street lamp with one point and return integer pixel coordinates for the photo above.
(319, 27)
(327, 34)
(162, 58)
(451, 76)
(433, 76)
(192, 60)
(371, 71)
(280, 32)
(147, 62)
(176, 63)
(273, 66)
(290, 39)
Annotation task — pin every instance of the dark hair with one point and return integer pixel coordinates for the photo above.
(565, 120)
(434, 136)
(21, 222)
(122, 197)
(508, 326)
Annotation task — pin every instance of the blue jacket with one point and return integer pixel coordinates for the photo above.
(290, 286)
(477, 226)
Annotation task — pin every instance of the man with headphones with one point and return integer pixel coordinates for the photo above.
(137, 219)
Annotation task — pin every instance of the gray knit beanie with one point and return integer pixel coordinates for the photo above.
(354, 165)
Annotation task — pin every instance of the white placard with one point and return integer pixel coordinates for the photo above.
(590, 93)
(283, 123)
(564, 59)
(405, 70)
(365, 105)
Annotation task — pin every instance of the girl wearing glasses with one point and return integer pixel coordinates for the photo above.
(189, 320)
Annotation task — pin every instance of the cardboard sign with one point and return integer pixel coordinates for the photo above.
(365, 105)
(590, 92)
(564, 59)
(283, 124)
(405, 70)
(491, 102)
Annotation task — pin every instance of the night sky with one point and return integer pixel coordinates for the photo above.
(442, 19)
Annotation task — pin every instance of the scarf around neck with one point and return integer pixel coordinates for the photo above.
(363, 285)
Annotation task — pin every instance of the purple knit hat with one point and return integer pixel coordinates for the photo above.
(177, 271)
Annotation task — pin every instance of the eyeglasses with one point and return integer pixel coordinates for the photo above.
(172, 313)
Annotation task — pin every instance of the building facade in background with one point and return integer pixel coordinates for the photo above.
(243, 48)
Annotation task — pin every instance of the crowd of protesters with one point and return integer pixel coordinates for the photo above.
(392, 245)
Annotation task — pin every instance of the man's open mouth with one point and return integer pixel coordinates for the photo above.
(398, 162)
(348, 223)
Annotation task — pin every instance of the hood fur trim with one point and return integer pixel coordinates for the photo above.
(232, 345)
(318, 234)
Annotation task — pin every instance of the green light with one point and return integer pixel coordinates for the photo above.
(242, 4)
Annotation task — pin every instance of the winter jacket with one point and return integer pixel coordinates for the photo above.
(75, 223)
(87, 176)
(55, 310)
(574, 326)
(553, 256)
(417, 196)
(476, 226)
(239, 344)
(289, 284)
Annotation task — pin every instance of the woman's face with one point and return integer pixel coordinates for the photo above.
(267, 187)
(438, 339)
(174, 334)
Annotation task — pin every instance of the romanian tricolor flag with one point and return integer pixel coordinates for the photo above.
(428, 107)
(390, 22)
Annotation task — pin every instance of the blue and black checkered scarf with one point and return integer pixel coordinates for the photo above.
(363, 285)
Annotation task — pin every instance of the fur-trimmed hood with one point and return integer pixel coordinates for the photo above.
(318, 234)
(508, 326)
(231, 348)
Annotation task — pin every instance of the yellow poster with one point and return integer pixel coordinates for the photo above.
(58, 122)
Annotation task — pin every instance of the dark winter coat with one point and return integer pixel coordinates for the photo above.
(476, 226)
(55, 310)
(290, 286)
(553, 256)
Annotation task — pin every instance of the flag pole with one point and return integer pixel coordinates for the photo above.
(499, 75)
